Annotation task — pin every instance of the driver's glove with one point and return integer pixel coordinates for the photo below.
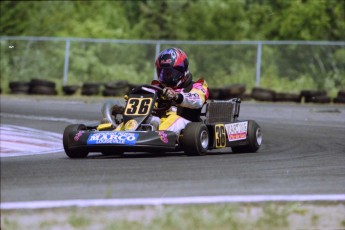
(169, 94)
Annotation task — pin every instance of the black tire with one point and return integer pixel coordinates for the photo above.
(215, 93)
(70, 89)
(43, 90)
(261, 94)
(237, 89)
(318, 99)
(18, 84)
(254, 136)
(69, 152)
(341, 93)
(39, 82)
(18, 87)
(339, 100)
(287, 97)
(89, 89)
(246, 97)
(20, 90)
(314, 96)
(90, 85)
(195, 139)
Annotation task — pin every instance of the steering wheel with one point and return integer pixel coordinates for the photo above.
(165, 104)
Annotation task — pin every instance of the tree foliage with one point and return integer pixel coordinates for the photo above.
(182, 19)
(320, 67)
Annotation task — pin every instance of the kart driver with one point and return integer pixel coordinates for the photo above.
(176, 80)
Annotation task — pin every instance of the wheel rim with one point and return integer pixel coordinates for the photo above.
(204, 139)
(258, 136)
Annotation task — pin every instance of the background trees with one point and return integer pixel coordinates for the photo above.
(310, 20)
(183, 19)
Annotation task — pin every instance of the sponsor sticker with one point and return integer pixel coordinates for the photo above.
(237, 131)
(78, 135)
(112, 138)
(191, 96)
(163, 136)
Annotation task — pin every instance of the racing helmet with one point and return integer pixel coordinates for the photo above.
(172, 67)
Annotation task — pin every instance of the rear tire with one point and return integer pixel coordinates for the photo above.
(254, 136)
(69, 152)
(195, 139)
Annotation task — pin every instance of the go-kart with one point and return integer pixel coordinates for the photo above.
(131, 131)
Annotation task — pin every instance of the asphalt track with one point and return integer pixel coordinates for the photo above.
(303, 153)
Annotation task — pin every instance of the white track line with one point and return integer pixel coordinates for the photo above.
(43, 118)
(22, 141)
(171, 201)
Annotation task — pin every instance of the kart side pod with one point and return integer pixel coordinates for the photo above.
(225, 130)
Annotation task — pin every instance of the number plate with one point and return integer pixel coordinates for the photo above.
(138, 106)
(220, 136)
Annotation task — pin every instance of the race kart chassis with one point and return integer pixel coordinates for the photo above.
(218, 128)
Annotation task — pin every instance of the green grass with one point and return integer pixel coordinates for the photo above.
(259, 216)
(79, 220)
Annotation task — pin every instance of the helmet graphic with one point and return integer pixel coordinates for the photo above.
(172, 67)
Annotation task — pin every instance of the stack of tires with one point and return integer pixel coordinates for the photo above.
(19, 87)
(315, 96)
(42, 87)
(89, 89)
(227, 92)
(70, 89)
(340, 97)
(261, 94)
(287, 97)
(118, 88)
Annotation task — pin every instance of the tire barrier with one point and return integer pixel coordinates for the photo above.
(89, 89)
(123, 87)
(287, 97)
(227, 92)
(341, 93)
(315, 96)
(42, 87)
(261, 94)
(19, 87)
(340, 97)
(118, 88)
(70, 89)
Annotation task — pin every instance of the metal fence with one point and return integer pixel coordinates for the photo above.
(280, 65)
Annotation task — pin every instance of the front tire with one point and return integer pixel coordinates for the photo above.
(72, 153)
(254, 136)
(195, 139)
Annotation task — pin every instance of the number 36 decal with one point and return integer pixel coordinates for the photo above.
(220, 136)
(138, 106)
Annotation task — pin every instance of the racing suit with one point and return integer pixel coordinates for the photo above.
(189, 101)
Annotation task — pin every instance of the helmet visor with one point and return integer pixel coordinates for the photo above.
(169, 76)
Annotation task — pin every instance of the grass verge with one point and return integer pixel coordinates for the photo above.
(260, 216)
